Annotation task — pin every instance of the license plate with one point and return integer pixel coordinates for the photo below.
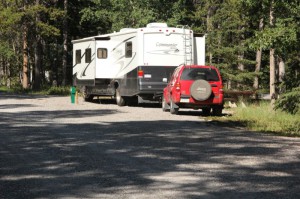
(184, 100)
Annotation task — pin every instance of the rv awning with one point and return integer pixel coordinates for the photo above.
(95, 38)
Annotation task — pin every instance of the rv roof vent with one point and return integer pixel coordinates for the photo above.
(157, 25)
(127, 29)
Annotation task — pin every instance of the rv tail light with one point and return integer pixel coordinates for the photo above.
(177, 86)
(140, 73)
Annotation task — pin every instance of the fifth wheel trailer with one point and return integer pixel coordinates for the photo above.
(134, 63)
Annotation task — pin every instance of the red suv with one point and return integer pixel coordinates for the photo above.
(194, 86)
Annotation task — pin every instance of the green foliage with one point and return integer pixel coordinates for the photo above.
(5, 51)
(9, 18)
(282, 35)
(289, 102)
(60, 90)
(263, 118)
(96, 15)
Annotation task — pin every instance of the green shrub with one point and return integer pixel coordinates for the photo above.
(289, 102)
(60, 90)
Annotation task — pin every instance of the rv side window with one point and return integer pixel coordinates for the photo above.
(101, 53)
(78, 56)
(88, 55)
(128, 49)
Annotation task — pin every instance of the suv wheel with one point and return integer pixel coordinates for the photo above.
(165, 106)
(173, 108)
(217, 110)
(206, 111)
(200, 90)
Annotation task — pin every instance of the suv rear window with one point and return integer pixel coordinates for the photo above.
(200, 73)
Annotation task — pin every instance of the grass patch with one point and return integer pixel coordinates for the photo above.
(60, 90)
(263, 118)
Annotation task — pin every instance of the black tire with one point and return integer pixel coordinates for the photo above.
(86, 96)
(173, 108)
(217, 111)
(119, 99)
(165, 106)
(200, 90)
(132, 101)
(206, 111)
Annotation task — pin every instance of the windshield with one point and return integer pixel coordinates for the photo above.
(207, 74)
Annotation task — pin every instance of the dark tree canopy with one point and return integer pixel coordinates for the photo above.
(35, 34)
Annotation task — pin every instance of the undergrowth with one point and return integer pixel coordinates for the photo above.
(57, 90)
(261, 117)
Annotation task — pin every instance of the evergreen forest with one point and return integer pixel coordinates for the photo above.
(254, 43)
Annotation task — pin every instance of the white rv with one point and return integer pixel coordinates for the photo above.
(134, 63)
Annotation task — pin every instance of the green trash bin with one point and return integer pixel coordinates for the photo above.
(73, 94)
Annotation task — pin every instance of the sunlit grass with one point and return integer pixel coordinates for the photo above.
(261, 117)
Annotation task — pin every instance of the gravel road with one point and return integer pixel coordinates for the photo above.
(50, 148)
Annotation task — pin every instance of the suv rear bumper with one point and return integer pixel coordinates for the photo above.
(189, 102)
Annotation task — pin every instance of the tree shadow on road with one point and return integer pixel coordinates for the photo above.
(43, 158)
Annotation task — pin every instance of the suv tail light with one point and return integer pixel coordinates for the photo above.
(177, 86)
(221, 89)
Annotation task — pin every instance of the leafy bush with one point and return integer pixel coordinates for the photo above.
(289, 102)
(60, 90)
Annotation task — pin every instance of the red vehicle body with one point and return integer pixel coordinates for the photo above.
(194, 86)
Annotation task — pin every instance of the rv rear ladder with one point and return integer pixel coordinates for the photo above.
(187, 44)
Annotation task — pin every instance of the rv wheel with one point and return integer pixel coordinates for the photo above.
(132, 101)
(86, 96)
(119, 99)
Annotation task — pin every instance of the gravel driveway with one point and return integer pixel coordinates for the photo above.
(50, 148)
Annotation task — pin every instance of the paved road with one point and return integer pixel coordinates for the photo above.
(50, 148)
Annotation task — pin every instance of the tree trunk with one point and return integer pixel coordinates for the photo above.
(241, 54)
(209, 27)
(25, 57)
(257, 68)
(281, 70)
(272, 61)
(8, 72)
(65, 36)
(37, 54)
(241, 66)
(281, 66)
(272, 76)
(37, 64)
(258, 58)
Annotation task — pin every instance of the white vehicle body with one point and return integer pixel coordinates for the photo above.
(134, 62)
